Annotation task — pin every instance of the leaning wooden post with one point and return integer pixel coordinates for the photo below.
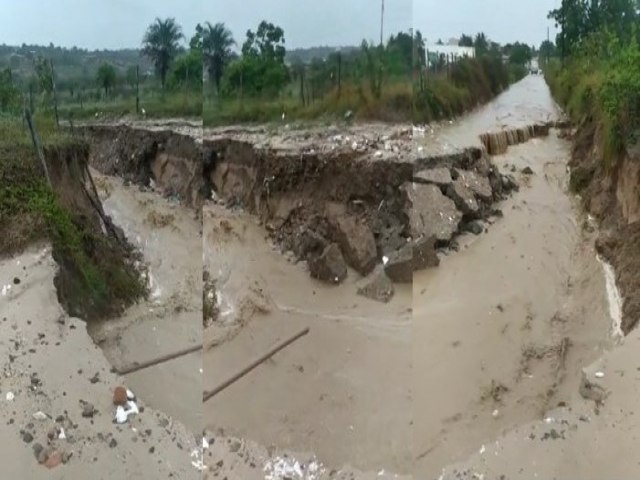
(37, 145)
(55, 96)
(211, 393)
(137, 89)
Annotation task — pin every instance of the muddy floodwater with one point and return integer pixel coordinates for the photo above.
(501, 330)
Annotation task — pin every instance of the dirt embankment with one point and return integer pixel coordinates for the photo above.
(353, 199)
(611, 192)
(97, 277)
(170, 161)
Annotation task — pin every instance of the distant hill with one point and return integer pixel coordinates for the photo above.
(74, 62)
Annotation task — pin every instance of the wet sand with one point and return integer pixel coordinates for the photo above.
(38, 338)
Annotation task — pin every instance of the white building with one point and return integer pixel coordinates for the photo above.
(450, 53)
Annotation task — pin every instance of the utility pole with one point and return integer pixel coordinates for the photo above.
(564, 21)
(548, 45)
(382, 24)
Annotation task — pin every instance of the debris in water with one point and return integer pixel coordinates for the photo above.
(40, 416)
(287, 467)
(10, 396)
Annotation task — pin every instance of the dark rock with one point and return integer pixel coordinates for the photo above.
(329, 266)
(463, 197)
(378, 287)
(88, 410)
(113, 443)
(16, 281)
(424, 253)
(527, 171)
(476, 227)
(433, 214)
(27, 437)
(509, 183)
(399, 266)
(356, 242)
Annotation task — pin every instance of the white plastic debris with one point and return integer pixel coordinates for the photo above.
(121, 415)
(40, 416)
(205, 443)
(130, 394)
(599, 374)
(197, 461)
(385, 260)
(10, 396)
(482, 449)
(378, 154)
(5, 289)
(61, 435)
(286, 467)
(495, 413)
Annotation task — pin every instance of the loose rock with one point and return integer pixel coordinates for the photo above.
(329, 266)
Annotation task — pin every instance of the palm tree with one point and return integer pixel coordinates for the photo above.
(217, 41)
(161, 43)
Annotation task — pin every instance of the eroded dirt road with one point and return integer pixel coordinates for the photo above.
(502, 329)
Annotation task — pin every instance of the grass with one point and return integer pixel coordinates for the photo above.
(394, 104)
(96, 279)
(183, 104)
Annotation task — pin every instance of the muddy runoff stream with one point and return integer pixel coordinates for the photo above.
(502, 329)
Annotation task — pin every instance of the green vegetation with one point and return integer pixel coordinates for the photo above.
(599, 79)
(445, 90)
(95, 279)
(163, 78)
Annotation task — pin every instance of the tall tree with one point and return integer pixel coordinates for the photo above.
(481, 44)
(465, 41)
(161, 44)
(217, 41)
(106, 77)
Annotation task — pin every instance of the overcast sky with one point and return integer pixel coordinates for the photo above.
(121, 23)
(93, 24)
(503, 21)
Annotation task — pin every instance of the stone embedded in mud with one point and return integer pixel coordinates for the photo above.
(591, 387)
(356, 242)
(424, 253)
(432, 214)
(379, 287)
(399, 267)
(463, 197)
(438, 176)
(329, 266)
(476, 227)
(478, 184)
(414, 256)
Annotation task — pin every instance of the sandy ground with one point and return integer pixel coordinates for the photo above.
(168, 235)
(341, 392)
(48, 361)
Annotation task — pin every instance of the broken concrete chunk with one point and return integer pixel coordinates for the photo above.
(478, 184)
(399, 267)
(438, 176)
(378, 287)
(356, 242)
(424, 253)
(463, 197)
(329, 266)
(433, 214)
